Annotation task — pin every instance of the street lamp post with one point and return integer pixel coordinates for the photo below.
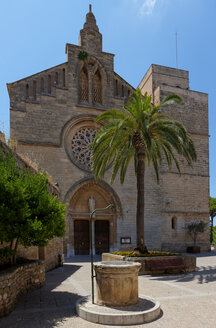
(111, 206)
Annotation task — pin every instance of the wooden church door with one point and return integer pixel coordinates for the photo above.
(81, 237)
(101, 236)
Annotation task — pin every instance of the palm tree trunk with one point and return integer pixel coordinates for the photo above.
(140, 203)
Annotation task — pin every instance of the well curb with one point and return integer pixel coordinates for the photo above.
(85, 310)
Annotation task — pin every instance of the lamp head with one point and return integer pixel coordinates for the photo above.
(111, 206)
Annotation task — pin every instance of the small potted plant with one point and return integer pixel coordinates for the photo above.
(194, 229)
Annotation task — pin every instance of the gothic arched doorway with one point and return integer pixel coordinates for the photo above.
(81, 201)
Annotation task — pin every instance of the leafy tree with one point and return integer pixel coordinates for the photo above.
(214, 235)
(141, 132)
(195, 228)
(212, 215)
(28, 213)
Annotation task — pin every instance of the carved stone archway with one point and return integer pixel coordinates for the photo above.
(79, 200)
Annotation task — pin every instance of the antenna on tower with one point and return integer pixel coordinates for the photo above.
(90, 8)
(176, 50)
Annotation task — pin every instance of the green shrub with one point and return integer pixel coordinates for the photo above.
(5, 254)
(82, 55)
(195, 228)
(214, 236)
(29, 215)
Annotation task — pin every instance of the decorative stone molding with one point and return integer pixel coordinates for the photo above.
(80, 147)
(17, 281)
(78, 135)
(103, 185)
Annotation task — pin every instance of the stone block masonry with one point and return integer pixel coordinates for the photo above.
(19, 280)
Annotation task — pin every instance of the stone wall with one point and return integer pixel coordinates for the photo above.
(51, 254)
(30, 253)
(19, 280)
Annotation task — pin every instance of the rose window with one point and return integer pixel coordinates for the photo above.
(81, 147)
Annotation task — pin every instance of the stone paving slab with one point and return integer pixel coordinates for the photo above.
(187, 300)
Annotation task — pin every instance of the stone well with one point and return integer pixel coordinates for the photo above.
(117, 283)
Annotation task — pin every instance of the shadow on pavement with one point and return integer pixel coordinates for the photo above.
(206, 254)
(55, 277)
(42, 318)
(82, 259)
(203, 275)
(47, 306)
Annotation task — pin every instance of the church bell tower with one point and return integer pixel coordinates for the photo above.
(90, 38)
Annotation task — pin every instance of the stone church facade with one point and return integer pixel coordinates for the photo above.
(52, 118)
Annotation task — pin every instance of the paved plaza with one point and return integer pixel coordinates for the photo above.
(187, 300)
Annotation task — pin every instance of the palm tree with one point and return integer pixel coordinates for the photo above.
(141, 132)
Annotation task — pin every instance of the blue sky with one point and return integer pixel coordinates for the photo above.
(139, 33)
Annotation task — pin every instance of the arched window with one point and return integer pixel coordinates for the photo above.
(56, 78)
(34, 89)
(63, 77)
(49, 83)
(42, 85)
(27, 91)
(174, 223)
(116, 87)
(84, 88)
(97, 88)
(122, 90)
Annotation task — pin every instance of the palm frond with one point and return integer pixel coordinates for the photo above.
(171, 99)
(162, 137)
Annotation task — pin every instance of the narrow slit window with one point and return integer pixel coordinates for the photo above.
(128, 93)
(122, 90)
(116, 87)
(34, 89)
(56, 78)
(174, 223)
(63, 77)
(42, 85)
(27, 91)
